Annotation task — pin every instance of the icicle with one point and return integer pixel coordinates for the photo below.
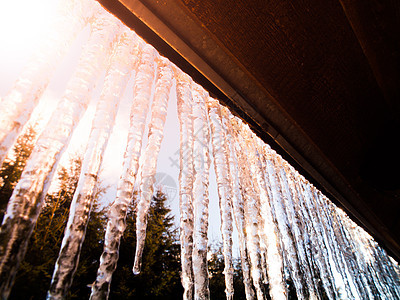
(325, 215)
(186, 173)
(270, 227)
(389, 271)
(386, 282)
(117, 214)
(237, 205)
(221, 165)
(341, 289)
(114, 85)
(156, 132)
(300, 235)
(347, 249)
(17, 106)
(251, 209)
(281, 195)
(201, 164)
(267, 224)
(27, 199)
(317, 243)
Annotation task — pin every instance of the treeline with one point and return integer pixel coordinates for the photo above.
(160, 275)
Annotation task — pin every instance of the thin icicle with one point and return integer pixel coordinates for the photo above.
(156, 133)
(274, 259)
(251, 208)
(385, 282)
(221, 165)
(299, 233)
(201, 165)
(389, 270)
(281, 196)
(114, 85)
(320, 253)
(16, 107)
(68, 258)
(326, 239)
(337, 253)
(238, 206)
(349, 254)
(27, 199)
(117, 214)
(186, 173)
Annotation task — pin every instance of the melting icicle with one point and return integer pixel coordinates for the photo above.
(123, 61)
(27, 199)
(299, 233)
(318, 247)
(117, 214)
(326, 239)
(251, 208)
(156, 132)
(270, 233)
(280, 195)
(201, 164)
(115, 82)
(325, 214)
(186, 173)
(17, 106)
(351, 261)
(286, 227)
(238, 206)
(221, 164)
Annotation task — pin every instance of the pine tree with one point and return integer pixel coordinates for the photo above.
(12, 168)
(217, 278)
(160, 275)
(34, 276)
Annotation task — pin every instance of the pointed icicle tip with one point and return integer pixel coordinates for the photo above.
(136, 269)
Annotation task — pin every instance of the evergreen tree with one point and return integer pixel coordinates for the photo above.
(34, 276)
(12, 168)
(217, 278)
(160, 274)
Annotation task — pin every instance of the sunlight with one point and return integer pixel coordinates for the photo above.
(24, 23)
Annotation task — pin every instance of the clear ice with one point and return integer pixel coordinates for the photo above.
(184, 107)
(156, 132)
(221, 165)
(27, 199)
(237, 205)
(16, 107)
(117, 213)
(201, 165)
(288, 231)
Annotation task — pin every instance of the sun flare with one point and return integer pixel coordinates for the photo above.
(24, 23)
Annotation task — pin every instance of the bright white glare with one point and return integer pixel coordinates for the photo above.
(23, 24)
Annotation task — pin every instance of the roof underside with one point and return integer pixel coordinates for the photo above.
(319, 81)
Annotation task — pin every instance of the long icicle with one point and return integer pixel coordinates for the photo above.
(156, 133)
(186, 173)
(350, 256)
(298, 230)
(317, 244)
(117, 213)
(27, 199)
(325, 238)
(281, 193)
(251, 207)
(221, 165)
(274, 259)
(237, 205)
(16, 107)
(201, 164)
(102, 124)
(325, 213)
